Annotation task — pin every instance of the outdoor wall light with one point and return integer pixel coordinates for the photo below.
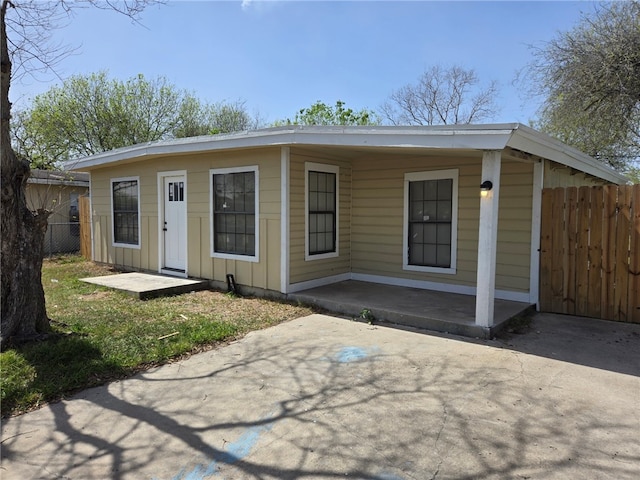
(485, 187)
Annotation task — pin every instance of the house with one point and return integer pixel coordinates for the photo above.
(58, 192)
(445, 208)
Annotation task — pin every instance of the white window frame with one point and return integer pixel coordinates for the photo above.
(113, 217)
(431, 175)
(224, 171)
(323, 168)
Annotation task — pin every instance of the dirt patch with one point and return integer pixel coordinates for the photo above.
(246, 312)
(98, 295)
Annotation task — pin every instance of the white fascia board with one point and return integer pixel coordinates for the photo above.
(472, 137)
(536, 143)
(400, 139)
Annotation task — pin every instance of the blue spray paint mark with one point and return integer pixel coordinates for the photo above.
(351, 354)
(197, 473)
(234, 452)
(388, 476)
(244, 444)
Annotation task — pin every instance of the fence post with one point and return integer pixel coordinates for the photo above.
(84, 212)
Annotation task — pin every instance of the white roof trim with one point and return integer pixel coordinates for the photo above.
(542, 145)
(465, 137)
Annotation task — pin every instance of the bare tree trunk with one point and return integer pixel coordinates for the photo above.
(24, 314)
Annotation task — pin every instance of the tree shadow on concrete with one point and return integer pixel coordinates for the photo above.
(295, 410)
(602, 344)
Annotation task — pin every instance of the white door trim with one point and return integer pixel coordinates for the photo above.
(161, 177)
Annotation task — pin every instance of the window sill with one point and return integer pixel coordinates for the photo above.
(126, 245)
(418, 268)
(231, 256)
(320, 256)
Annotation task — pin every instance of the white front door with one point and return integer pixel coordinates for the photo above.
(173, 223)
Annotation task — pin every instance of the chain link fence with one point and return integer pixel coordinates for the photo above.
(62, 238)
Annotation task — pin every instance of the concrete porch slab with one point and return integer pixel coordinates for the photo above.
(413, 307)
(145, 286)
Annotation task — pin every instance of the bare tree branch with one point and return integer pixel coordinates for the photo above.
(441, 96)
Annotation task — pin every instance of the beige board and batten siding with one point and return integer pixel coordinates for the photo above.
(378, 212)
(301, 270)
(264, 274)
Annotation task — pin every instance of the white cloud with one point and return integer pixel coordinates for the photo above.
(259, 5)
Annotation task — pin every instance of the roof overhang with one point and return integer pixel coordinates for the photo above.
(531, 141)
(55, 177)
(442, 137)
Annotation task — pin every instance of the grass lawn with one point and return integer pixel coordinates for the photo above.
(106, 335)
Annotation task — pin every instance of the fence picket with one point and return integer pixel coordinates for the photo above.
(546, 248)
(594, 291)
(623, 232)
(634, 260)
(569, 261)
(609, 251)
(582, 250)
(557, 252)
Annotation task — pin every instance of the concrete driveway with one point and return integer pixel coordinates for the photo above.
(322, 397)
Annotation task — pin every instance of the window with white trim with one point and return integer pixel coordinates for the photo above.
(321, 211)
(431, 218)
(234, 207)
(125, 209)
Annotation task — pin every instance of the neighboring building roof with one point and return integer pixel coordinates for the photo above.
(461, 137)
(58, 177)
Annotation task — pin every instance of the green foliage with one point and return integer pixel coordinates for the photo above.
(27, 139)
(226, 118)
(590, 77)
(197, 118)
(192, 119)
(322, 114)
(92, 114)
(367, 315)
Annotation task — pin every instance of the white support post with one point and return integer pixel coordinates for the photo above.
(284, 219)
(488, 239)
(536, 219)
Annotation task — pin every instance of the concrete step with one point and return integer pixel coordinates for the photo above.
(145, 286)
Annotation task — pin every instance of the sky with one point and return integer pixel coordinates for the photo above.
(281, 56)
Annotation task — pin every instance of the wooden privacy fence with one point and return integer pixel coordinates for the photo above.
(84, 210)
(590, 252)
